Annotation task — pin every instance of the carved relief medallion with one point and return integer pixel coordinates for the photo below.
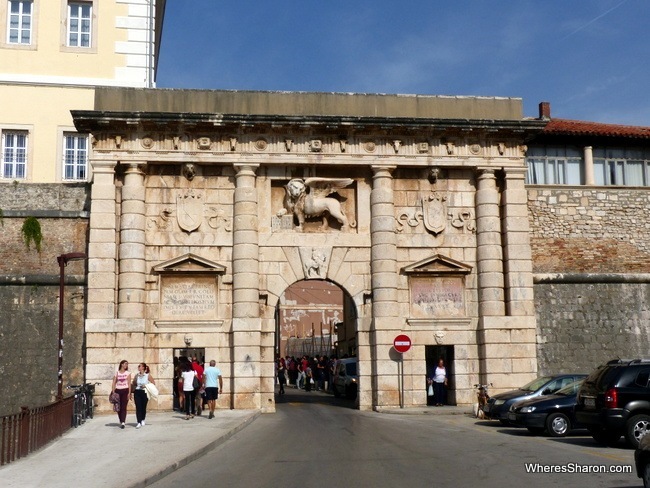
(315, 262)
(189, 210)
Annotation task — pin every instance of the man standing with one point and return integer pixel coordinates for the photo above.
(210, 376)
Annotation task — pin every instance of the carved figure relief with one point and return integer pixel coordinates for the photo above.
(315, 262)
(189, 210)
(310, 198)
(163, 221)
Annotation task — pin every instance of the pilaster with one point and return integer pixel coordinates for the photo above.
(102, 242)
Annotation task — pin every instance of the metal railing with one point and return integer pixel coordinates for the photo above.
(25, 432)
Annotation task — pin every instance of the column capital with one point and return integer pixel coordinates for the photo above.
(103, 166)
(486, 171)
(135, 167)
(246, 169)
(515, 173)
(382, 171)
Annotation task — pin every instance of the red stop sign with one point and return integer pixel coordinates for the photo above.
(402, 343)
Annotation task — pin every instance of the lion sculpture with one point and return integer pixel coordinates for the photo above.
(310, 198)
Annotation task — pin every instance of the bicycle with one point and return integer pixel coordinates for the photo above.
(482, 396)
(83, 406)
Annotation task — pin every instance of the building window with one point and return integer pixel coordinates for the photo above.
(14, 154)
(75, 157)
(19, 22)
(79, 24)
(622, 166)
(554, 165)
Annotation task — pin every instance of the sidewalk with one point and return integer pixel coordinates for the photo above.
(100, 454)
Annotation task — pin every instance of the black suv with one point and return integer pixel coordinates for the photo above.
(614, 400)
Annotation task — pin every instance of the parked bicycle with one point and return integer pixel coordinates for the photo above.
(83, 407)
(482, 396)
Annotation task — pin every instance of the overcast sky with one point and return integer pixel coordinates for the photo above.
(589, 58)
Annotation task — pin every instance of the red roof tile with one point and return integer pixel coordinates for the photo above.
(581, 128)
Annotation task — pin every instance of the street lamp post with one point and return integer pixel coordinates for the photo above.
(63, 260)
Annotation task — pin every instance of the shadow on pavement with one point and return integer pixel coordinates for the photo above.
(293, 395)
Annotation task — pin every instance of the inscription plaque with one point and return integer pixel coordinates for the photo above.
(437, 297)
(188, 298)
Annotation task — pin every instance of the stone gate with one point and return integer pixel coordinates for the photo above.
(207, 205)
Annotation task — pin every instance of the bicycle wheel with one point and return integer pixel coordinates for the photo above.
(75, 413)
(91, 405)
(83, 407)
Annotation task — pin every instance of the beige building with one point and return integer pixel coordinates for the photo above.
(53, 54)
(208, 205)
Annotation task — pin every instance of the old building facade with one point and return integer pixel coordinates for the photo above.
(207, 206)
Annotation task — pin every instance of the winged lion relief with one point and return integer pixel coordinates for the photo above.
(311, 198)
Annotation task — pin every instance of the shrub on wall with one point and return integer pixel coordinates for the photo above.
(31, 231)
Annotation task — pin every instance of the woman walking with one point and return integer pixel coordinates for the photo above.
(282, 375)
(139, 386)
(122, 386)
(188, 376)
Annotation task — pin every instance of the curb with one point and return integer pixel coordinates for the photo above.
(163, 472)
(449, 410)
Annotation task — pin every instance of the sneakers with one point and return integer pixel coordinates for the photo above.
(122, 425)
(138, 426)
(142, 423)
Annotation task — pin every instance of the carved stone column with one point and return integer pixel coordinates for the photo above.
(132, 245)
(246, 321)
(383, 264)
(489, 254)
(506, 339)
(102, 243)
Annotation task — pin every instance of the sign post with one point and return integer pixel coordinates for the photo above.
(402, 343)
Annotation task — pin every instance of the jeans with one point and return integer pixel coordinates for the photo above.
(300, 382)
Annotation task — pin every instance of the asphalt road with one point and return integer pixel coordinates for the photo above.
(315, 440)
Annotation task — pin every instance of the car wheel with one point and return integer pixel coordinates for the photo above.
(536, 430)
(646, 476)
(558, 425)
(604, 436)
(636, 428)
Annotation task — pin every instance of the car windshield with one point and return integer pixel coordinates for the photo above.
(536, 384)
(570, 389)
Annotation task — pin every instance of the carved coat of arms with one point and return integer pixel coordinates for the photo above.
(434, 212)
(189, 210)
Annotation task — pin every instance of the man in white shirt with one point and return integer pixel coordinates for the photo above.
(211, 375)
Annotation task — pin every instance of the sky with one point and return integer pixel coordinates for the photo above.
(589, 58)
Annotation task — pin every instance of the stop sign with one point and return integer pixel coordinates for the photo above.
(402, 343)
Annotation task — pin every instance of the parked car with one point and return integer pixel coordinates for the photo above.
(346, 379)
(554, 413)
(642, 460)
(615, 400)
(499, 404)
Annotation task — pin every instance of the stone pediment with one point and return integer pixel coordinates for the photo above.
(437, 264)
(189, 263)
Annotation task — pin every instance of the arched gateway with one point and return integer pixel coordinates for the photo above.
(207, 205)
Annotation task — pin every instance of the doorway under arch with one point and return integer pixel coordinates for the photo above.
(315, 318)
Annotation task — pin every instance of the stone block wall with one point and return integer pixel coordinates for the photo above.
(591, 256)
(29, 292)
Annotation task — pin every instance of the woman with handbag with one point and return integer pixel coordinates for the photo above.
(190, 384)
(122, 386)
(139, 385)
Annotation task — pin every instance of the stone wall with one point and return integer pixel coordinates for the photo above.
(591, 256)
(29, 292)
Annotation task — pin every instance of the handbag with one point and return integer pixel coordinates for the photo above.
(114, 398)
(430, 390)
(195, 383)
(311, 381)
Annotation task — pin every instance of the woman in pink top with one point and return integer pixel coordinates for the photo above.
(122, 386)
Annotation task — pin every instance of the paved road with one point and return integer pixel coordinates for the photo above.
(315, 440)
